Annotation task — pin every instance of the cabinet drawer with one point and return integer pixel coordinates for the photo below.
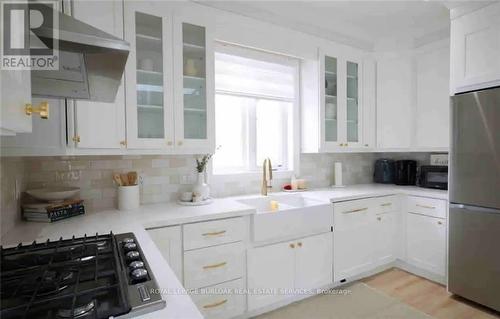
(210, 266)
(212, 233)
(221, 301)
(387, 204)
(352, 214)
(426, 206)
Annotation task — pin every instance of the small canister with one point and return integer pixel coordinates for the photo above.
(128, 197)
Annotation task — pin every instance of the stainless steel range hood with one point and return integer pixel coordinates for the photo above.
(91, 62)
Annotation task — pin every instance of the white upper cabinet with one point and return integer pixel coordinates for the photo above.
(475, 49)
(412, 99)
(193, 82)
(335, 85)
(97, 124)
(433, 101)
(395, 97)
(149, 85)
(15, 93)
(341, 102)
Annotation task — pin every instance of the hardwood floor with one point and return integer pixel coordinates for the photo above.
(427, 296)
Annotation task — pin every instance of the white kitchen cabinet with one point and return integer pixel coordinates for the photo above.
(149, 75)
(169, 243)
(433, 102)
(15, 93)
(385, 241)
(170, 74)
(48, 136)
(426, 242)
(225, 303)
(275, 269)
(395, 102)
(353, 238)
(270, 268)
(313, 266)
(475, 49)
(96, 124)
(340, 101)
(194, 82)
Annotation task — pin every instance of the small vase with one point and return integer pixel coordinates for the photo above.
(201, 188)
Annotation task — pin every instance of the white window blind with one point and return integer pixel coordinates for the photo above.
(254, 73)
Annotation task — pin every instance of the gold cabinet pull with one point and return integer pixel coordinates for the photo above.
(386, 204)
(76, 138)
(169, 143)
(425, 206)
(222, 264)
(355, 210)
(42, 109)
(292, 245)
(379, 218)
(215, 304)
(440, 222)
(346, 144)
(217, 233)
(299, 244)
(123, 143)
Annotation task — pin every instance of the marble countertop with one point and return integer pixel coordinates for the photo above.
(167, 214)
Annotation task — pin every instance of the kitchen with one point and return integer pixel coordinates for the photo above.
(239, 159)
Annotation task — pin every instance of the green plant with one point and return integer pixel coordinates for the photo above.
(202, 163)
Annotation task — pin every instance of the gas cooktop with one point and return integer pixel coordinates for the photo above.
(89, 277)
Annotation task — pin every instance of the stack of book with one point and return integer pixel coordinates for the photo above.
(51, 212)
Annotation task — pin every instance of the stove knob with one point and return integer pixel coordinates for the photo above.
(128, 240)
(139, 274)
(133, 255)
(136, 264)
(130, 246)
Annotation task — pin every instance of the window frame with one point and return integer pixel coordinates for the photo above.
(291, 152)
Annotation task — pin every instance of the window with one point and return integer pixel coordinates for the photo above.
(255, 110)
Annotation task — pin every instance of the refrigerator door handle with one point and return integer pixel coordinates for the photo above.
(475, 208)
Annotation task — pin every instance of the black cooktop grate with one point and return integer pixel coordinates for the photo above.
(73, 278)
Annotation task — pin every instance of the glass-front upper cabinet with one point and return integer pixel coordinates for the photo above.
(330, 109)
(148, 75)
(340, 102)
(352, 112)
(194, 101)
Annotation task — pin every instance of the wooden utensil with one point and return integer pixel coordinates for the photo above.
(117, 179)
(124, 178)
(132, 178)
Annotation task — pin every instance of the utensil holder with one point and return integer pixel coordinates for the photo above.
(128, 197)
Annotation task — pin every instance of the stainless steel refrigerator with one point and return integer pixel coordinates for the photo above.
(474, 191)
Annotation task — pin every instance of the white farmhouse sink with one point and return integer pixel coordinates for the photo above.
(295, 216)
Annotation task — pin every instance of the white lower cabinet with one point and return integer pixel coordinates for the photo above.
(426, 242)
(353, 238)
(385, 238)
(213, 265)
(221, 301)
(275, 270)
(169, 242)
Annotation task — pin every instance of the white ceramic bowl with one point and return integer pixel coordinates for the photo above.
(54, 194)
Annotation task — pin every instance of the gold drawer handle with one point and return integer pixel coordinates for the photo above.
(216, 304)
(222, 264)
(299, 244)
(292, 245)
(355, 210)
(386, 204)
(440, 222)
(425, 206)
(379, 218)
(217, 233)
(42, 109)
